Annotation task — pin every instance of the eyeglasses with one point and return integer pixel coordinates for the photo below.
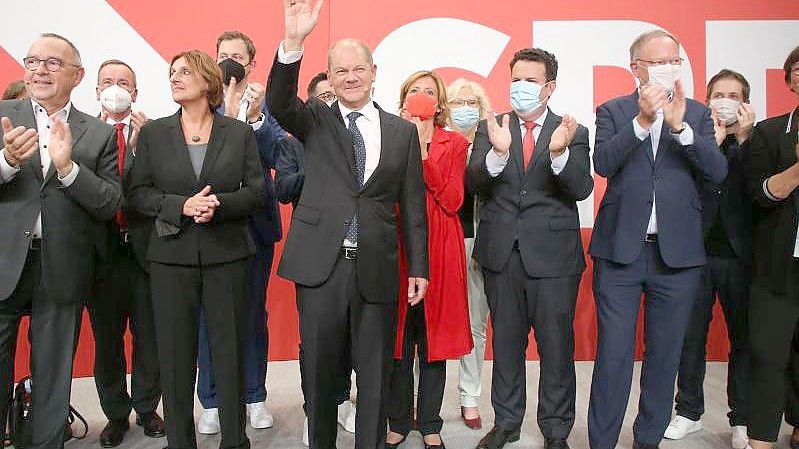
(673, 61)
(32, 63)
(123, 83)
(327, 96)
(460, 102)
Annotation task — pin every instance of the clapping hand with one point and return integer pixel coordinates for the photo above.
(563, 135)
(20, 143)
(499, 135)
(60, 147)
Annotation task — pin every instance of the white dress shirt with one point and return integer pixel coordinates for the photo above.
(43, 124)
(125, 130)
(368, 123)
(496, 163)
(686, 137)
(244, 105)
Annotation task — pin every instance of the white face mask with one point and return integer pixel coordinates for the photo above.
(726, 109)
(664, 75)
(115, 99)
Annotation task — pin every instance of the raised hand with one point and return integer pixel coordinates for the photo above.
(232, 99)
(563, 135)
(60, 147)
(20, 143)
(425, 131)
(499, 135)
(300, 19)
(257, 94)
(137, 121)
(674, 110)
(719, 127)
(651, 97)
(746, 120)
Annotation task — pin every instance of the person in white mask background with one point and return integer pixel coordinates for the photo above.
(468, 104)
(727, 220)
(122, 295)
(656, 148)
(531, 166)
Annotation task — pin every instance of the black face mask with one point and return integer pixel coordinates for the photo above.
(231, 69)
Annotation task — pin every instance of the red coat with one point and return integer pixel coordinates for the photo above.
(446, 305)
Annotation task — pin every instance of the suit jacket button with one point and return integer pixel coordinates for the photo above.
(28, 233)
(523, 192)
(718, 192)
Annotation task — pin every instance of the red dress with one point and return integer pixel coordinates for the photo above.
(446, 305)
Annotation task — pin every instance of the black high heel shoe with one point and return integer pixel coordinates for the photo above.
(397, 444)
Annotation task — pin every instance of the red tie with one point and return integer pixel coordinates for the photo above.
(121, 148)
(528, 144)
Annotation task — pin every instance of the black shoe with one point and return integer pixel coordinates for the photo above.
(395, 445)
(637, 445)
(497, 438)
(556, 443)
(152, 423)
(114, 432)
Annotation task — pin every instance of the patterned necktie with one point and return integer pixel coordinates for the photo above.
(528, 144)
(359, 147)
(122, 222)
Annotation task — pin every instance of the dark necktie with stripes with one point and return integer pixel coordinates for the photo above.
(359, 147)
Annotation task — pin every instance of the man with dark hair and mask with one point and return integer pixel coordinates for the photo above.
(121, 296)
(244, 100)
(531, 166)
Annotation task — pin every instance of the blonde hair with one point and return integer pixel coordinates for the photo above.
(208, 69)
(455, 87)
(442, 115)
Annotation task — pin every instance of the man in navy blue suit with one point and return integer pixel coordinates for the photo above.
(654, 147)
(245, 101)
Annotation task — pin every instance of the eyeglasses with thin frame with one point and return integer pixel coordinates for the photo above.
(460, 102)
(32, 63)
(673, 61)
(327, 96)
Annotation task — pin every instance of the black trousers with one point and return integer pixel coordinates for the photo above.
(518, 302)
(54, 335)
(335, 319)
(773, 330)
(432, 376)
(179, 292)
(122, 301)
(729, 278)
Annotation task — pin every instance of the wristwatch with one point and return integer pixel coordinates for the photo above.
(260, 118)
(683, 125)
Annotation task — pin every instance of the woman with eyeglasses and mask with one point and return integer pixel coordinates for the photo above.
(436, 328)
(198, 175)
(774, 299)
(468, 105)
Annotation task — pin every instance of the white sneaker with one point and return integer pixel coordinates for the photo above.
(740, 439)
(305, 440)
(209, 422)
(681, 426)
(346, 416)
(259, 416)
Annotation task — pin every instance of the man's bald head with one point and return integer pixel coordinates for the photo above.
(349, 43)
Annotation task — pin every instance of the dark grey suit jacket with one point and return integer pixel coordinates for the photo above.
(72, 217)
(536, 207)
(331, 194)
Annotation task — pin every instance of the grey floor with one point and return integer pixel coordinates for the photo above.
(285, 401)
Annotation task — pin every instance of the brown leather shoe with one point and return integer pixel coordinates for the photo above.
(472, 423)
(152, 423)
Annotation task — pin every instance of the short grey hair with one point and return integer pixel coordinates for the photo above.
(640, 41)
(68, 42)
(350, 42)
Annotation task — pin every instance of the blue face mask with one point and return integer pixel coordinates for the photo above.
(465, 117)
(525, 96)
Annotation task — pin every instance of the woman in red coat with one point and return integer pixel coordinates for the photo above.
(436, 328)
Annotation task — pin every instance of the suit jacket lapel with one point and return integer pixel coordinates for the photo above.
(25, 118)
(215, 141)
(387, 130)
(78, 124)
(516, 150)
(344, 138)
(179, 147)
